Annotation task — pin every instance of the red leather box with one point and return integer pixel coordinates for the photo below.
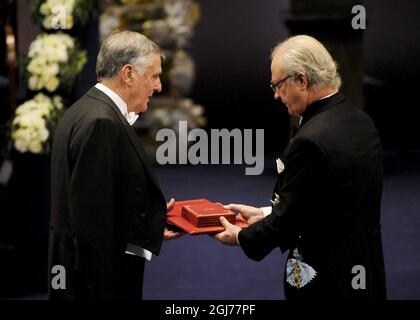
(175, 218)
(206, 214)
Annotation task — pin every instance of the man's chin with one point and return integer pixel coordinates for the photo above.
(144, 108)
(291, 113)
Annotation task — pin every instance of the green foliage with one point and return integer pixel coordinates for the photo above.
(84, 9)
(35, 15)
(69, 71)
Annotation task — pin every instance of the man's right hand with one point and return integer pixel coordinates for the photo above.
(247, 213)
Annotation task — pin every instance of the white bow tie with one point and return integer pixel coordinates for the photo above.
(131, 117)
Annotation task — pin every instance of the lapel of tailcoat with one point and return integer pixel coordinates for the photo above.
(132, 136)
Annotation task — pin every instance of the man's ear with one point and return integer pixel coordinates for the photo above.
(302, 80)
(127, 73)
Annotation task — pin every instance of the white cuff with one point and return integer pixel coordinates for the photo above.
(266, 211)
(138, 251)
(237, 238)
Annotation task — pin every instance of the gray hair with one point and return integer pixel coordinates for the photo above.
(306, 55)
(123, 47)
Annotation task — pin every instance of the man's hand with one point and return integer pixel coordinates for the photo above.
(247, 213)
(230, 235)
(169, 234)
(172, 234)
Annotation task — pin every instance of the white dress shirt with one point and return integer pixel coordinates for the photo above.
(131, 117)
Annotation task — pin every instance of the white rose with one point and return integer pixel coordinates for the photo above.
(16, 134)
(35, 83)
(21, 145)
(38, 123)
(44, 9)
(69, 21)
(51, 69)
(45, 105)
(52, 84)
(42, 111)
(44, 134)
(16, 121)
(40, 98)
(33, 133)
(67, 40)
(36, 47)
(24, 120)
(24, 135)
(35, 146)
(50, 53)
(58, 102)
(48, 22)
(30, 120)
(36, 65)
(60, 54)
(22, 109)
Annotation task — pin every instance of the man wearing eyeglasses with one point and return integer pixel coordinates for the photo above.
(326, 203)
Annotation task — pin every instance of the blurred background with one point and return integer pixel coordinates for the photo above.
(216, 75)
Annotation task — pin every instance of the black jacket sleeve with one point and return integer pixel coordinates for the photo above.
(305, 164)
(91, 204)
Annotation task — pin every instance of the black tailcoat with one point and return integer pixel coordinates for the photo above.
(329, 204)
(104, 195)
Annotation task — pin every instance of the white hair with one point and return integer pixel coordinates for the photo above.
(306, 55)
(123, 47)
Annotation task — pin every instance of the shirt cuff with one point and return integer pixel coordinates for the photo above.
(138, 251)
(266, 211)
(237, 239)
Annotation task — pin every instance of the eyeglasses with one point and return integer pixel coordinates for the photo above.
(277, 85)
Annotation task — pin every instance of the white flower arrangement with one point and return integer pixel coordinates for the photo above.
(53, 60)
(58, 14)
(62, 14)
(34, 123)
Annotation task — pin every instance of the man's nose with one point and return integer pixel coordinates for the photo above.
(158, 86)
(277, 95)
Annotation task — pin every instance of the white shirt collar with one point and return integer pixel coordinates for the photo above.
(328, 95)
(131, 117)
(300, 120)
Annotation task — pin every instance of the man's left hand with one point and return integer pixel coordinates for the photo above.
(229, 236)
(171, 234)
(167, 233)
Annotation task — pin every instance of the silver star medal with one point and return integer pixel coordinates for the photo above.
(276, 199)
(280, 168)
(298, 272)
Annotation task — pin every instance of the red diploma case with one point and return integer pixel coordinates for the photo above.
(201, 216)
